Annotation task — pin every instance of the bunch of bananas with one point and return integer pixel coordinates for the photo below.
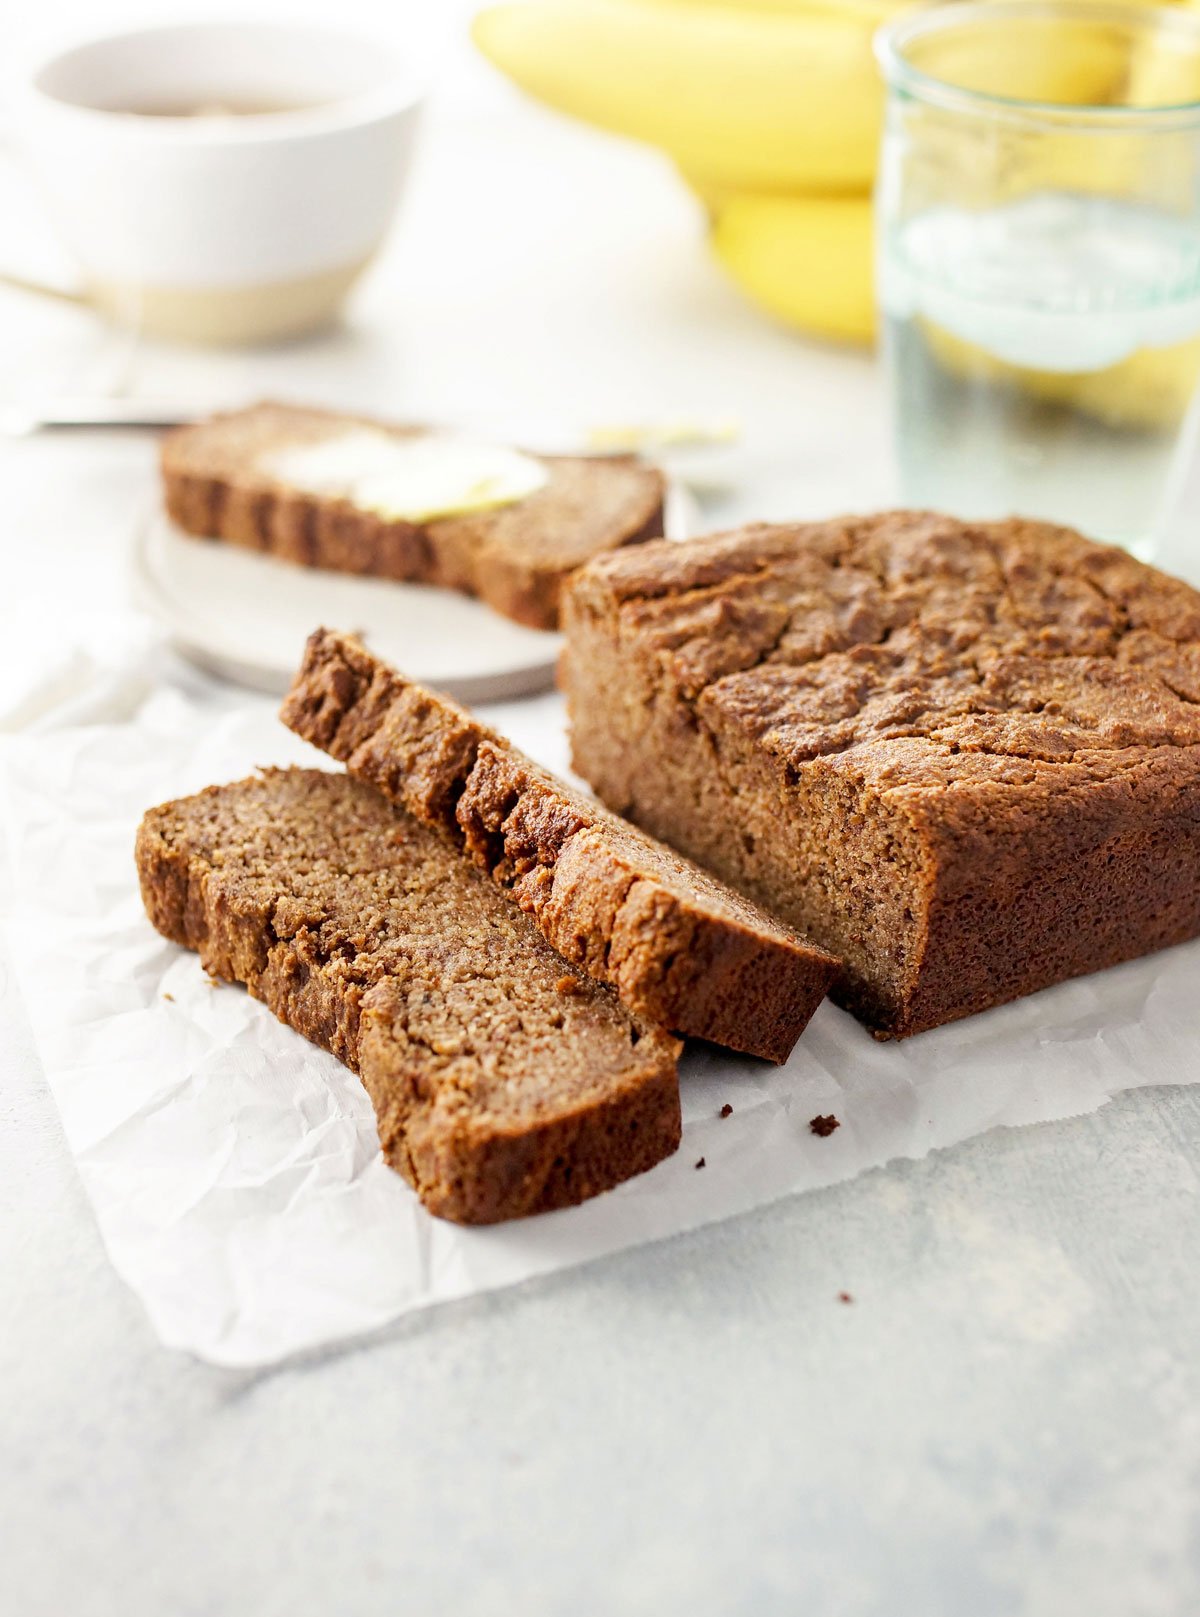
(771, 109)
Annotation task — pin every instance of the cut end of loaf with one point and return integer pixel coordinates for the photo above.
(683, 950)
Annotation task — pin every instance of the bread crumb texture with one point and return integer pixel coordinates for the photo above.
(496, 1092)
(682, 949)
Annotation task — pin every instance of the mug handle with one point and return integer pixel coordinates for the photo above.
(42, 289)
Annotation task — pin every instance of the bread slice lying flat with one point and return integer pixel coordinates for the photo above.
(503, 1084)
(682, 950)
(218, 484)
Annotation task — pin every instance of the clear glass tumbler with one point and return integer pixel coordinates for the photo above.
(1039, 259)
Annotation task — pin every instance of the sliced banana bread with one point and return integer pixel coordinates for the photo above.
(503, 1084)
(964, 757)
(229, 478)
(682, 950)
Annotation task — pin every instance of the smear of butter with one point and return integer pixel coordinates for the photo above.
(408, 479)
(656, 438)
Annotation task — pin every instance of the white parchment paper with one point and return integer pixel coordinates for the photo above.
(235, 1170)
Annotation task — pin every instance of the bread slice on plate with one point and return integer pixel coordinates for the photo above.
(406, 503)
(681, 949)
(503, 1083)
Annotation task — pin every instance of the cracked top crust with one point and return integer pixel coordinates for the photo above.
(919, 653)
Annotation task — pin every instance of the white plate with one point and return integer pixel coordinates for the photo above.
(246, 617)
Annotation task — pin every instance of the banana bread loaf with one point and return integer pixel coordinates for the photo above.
(503, 1085)
(964, 758)
(682, 950)
(228, 479)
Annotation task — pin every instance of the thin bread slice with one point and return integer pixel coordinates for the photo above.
(682, 950)
(503, 1084)
(218, 483)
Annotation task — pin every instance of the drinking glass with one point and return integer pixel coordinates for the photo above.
(1038, 268)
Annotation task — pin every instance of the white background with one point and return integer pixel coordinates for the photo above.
(1004, 1420)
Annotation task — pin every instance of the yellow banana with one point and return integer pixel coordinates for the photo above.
(1054, 58)
(876, 10)
(1160, 76)
(769, 95)
(786, 97)
(1148, 391)
(805, 260)
(1069, 62)
(808, 261)
(771, 109)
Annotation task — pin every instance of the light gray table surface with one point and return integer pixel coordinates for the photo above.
(1004, 1420)
(699, 1426)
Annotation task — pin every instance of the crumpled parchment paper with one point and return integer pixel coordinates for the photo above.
(235, 1170)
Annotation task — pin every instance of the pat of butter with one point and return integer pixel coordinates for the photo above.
(407, 479)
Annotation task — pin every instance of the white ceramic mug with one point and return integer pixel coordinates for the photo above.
(245, 223)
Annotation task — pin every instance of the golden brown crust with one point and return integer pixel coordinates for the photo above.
(499, 1090)
(516, 558)
(682, 950)
(965, 757)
